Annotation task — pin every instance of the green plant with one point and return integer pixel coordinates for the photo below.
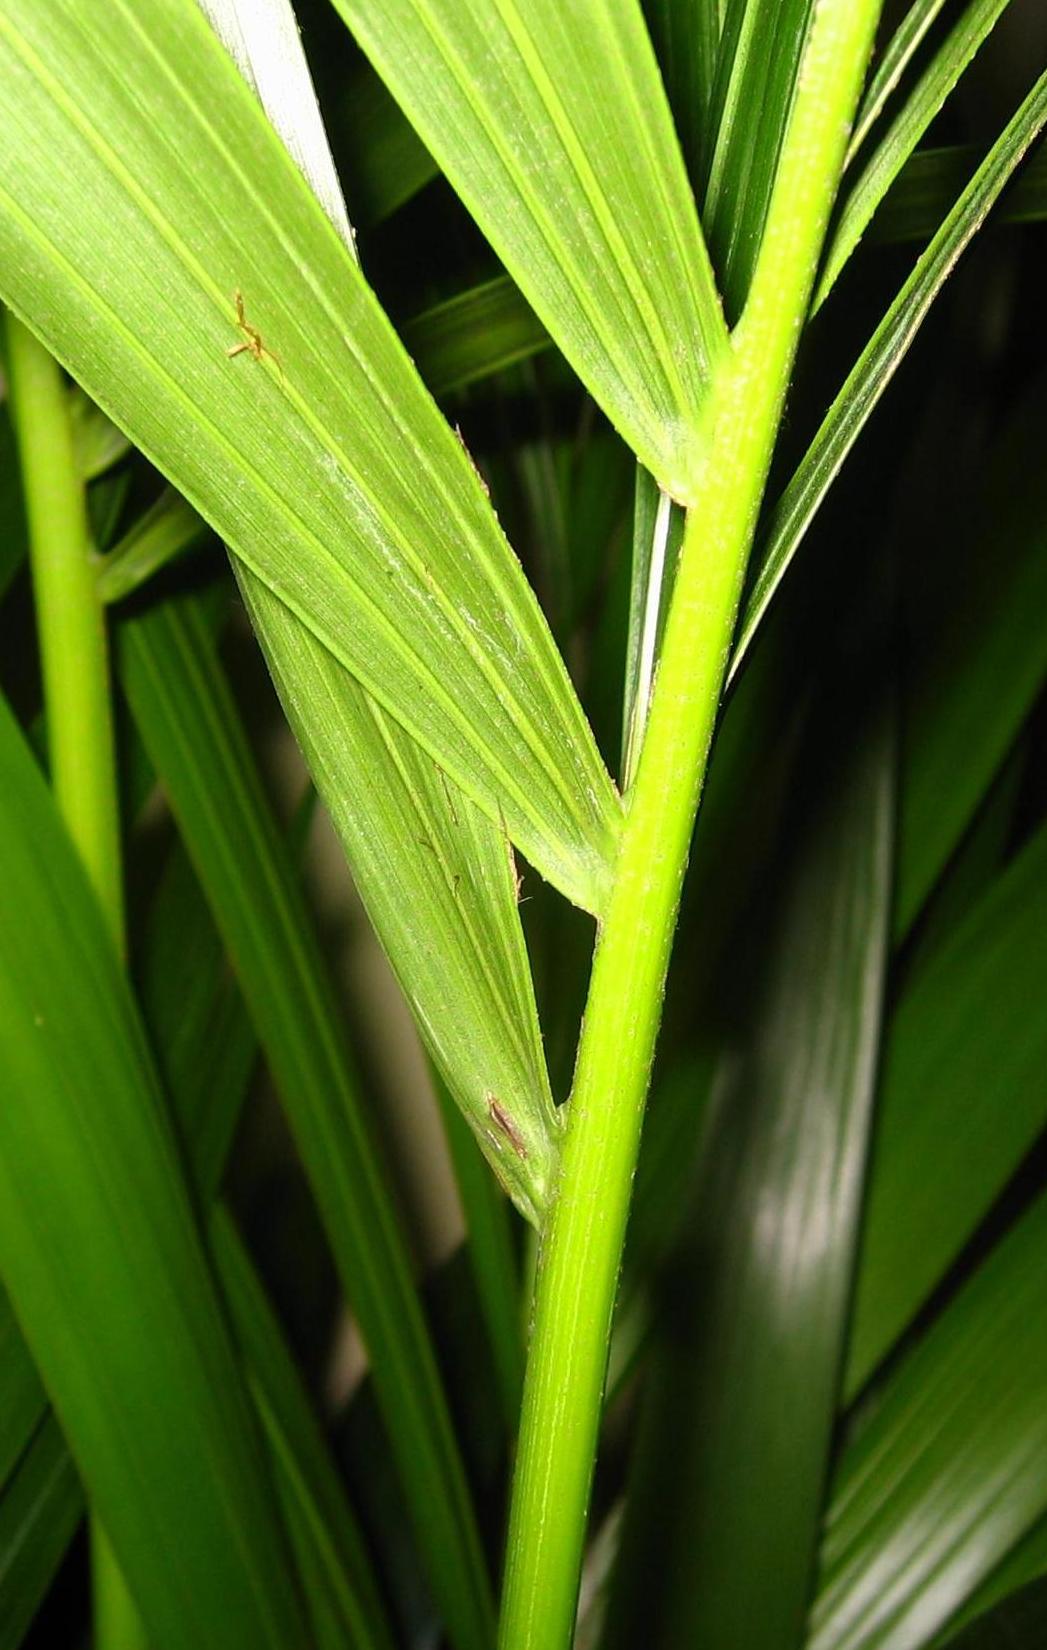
(820, 1404)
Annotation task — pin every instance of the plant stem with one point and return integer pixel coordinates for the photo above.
(75, 666)
(585, 1227)
(70, 621)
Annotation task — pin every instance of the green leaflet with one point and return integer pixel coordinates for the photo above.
(468, 970)
(100, 1252)
(686, 39)
(912, 121)
(382, 160)
(437, 881)
(491, 1255)
(168, 529)
(946, 1471)
(890, 65)
(878, 363)
(551, 123)
(963, 1098)
(315, 452)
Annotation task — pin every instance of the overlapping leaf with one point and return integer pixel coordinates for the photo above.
(552, 125)
(314, 451)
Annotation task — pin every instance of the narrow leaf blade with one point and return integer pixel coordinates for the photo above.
(553, 127)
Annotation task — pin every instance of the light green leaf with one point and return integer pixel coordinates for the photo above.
(912, 121)
(100, 1253)
(948, 1469)
(891, 64)
(963, 1098)
(437, 881)
(552, 125)
(879, 361)
(187, 720)
(40, 1507)
(315, 452)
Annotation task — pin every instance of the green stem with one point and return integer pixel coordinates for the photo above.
(75, 666)
(582, 1240)
(69, 617)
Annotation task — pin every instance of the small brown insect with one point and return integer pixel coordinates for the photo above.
(252, 340)
(500, 1116)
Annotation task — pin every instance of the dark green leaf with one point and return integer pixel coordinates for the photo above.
(101, 1256)
(963, 1097)
(948, 1469)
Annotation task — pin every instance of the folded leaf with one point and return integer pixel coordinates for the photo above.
(438, 884)
(759, 59)
(100, 1253)
(236, 342)
(551, 123)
